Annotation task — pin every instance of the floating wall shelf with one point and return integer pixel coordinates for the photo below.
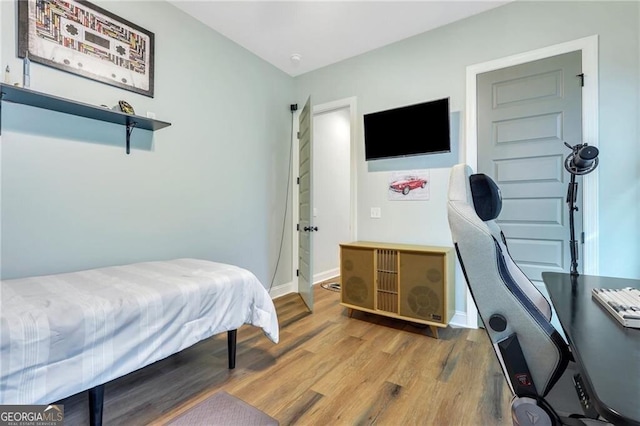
(29, 97)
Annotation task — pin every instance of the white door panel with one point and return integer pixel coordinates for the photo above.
(525, 113)
(305, 206)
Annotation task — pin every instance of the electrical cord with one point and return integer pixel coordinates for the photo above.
(286, 203)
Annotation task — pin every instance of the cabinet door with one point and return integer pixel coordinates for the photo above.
(422, 280)
(357, 276)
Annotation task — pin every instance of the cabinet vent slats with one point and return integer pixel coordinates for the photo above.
(387, 277)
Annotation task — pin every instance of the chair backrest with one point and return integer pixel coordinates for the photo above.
(508, 302)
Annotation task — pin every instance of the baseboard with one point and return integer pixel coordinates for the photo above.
(324, 276)
(282, 289)
(459, 320)
(291, 287)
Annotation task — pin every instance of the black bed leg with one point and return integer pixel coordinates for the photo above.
(231, 346)
(96, 400)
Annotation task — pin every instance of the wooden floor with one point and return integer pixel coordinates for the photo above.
(328, 369)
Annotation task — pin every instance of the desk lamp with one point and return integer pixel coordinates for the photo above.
(582, 160)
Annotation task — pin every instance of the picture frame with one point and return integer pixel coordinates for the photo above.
(409, 185)
(81, 38)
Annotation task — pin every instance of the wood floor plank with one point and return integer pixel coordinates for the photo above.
(417, 371)
(384, 397)
(328, 369)
(293, 413)
(348, 399)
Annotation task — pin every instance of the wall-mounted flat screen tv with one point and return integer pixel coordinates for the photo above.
(411, 130)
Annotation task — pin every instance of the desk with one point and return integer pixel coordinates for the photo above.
(607, 353)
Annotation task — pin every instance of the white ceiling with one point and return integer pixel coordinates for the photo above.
(325, 32)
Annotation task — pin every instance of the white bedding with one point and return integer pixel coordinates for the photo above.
(62, 334)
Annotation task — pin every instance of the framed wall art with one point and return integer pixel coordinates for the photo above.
(84, 39)
(409, 185)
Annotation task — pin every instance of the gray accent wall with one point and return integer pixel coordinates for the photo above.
(433, 65)
(211, 186)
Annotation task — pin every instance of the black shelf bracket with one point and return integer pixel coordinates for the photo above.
(130, 126)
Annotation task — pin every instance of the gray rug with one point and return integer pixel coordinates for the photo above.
(224, 410)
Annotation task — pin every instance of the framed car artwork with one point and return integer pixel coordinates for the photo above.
(409, 185)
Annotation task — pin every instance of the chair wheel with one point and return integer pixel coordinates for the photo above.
(527, 412)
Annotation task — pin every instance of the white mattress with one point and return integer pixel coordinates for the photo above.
(62, 334)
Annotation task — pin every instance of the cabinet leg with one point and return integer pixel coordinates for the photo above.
(434, 331)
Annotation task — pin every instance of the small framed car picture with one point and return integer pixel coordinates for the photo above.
(409, 185)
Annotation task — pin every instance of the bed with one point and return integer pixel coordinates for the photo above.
(66, 333)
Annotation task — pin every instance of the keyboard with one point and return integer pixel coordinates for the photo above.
(623, 304)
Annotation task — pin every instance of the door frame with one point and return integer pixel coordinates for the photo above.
(590, 192)
(350, 103)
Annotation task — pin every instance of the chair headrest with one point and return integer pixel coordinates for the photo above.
(486, 196)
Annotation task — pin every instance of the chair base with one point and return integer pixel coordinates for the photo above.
(562, 406)
(527, 412)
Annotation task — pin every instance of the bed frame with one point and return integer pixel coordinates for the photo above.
(76, 331)
(96, 395)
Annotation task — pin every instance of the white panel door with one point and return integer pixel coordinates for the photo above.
(305, 206)
(525, 113)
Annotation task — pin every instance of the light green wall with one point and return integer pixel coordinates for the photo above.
(212, 185)
(433, 65)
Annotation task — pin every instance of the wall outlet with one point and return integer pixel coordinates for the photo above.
(375, 213)
(151, 115)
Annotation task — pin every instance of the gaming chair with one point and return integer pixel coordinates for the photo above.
(533, 355)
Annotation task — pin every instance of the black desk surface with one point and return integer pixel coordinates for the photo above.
(608, 353)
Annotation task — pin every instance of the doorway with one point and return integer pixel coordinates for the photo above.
(331, 190)
(334, 186)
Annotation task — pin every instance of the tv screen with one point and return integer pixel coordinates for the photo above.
(410, 130)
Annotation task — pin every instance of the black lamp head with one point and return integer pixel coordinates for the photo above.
(582, 160)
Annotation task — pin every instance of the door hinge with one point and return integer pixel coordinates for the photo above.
(297, 272)
(298, 180)
(581, 75)
(298, 135)
(582, 237)
(297, 227)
